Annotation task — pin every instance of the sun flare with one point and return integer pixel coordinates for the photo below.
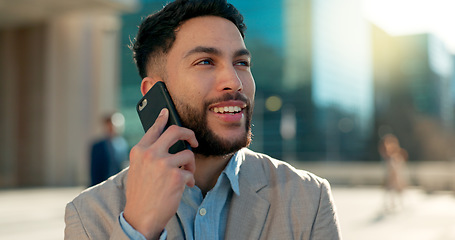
(402, 17)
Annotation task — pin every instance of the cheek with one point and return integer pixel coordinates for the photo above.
(189, 96)
(192, 85)
(250, 87)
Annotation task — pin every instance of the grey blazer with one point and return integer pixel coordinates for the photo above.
(276, 202)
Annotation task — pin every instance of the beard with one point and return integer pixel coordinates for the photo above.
(211, 144)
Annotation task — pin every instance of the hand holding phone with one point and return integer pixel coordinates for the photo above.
(156, 178)
(150, 106)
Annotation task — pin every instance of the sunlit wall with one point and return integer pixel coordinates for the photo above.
(59, 74)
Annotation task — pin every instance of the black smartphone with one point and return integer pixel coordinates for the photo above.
(150, 106)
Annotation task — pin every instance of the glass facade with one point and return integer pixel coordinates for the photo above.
(314, 68)
(300, 58)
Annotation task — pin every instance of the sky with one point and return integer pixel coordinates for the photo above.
(401, 17)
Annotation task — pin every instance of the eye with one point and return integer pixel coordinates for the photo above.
(242, 63)
(205, 62)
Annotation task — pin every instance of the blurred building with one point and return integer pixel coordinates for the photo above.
(453, 80)
(312, 66)
(328, 68)
(59, 72)
(63, 64)
(413, 93)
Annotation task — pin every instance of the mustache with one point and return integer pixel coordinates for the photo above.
(237, 96)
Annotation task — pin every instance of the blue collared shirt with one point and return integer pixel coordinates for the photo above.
(203, 218)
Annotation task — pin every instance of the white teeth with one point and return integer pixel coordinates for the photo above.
(230, 109)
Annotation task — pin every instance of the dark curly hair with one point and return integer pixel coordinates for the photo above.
(156, 33)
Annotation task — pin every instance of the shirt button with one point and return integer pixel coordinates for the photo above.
(202, 211)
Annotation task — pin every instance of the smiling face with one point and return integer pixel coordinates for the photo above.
(208, 75)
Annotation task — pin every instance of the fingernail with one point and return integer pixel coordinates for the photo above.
(163, 111)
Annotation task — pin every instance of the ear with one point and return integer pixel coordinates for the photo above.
(148, 83)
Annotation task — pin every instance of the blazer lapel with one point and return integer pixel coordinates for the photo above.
(248, 212)
(174, 229)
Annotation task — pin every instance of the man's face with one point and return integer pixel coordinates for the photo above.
(209, 78)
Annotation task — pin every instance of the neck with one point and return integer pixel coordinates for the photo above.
(208, 169)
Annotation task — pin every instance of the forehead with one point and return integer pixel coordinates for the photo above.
(208, 31)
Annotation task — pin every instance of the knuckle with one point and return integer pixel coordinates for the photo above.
(176, 176)
(174, 129)
(192, 134)
(135, 152)
(187, 154)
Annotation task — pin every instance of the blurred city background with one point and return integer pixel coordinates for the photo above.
(333, 78)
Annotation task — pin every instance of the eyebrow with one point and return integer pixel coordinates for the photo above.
(217, 52)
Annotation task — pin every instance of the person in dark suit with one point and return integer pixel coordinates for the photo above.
(109, 153)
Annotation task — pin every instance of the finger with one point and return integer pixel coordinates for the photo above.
(175, 133)
(157, 128)
(188, 178)
(184, 159)
(193, 141)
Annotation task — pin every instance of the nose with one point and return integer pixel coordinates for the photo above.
(229, 80)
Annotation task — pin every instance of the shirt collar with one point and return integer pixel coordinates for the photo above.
(232, 171)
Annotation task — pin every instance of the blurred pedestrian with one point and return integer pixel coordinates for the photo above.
(395, 182)
(108, 155)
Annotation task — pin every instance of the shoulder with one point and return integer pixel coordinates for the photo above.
(279, 170)
(96, 209)
(272, 177)
(109, 192)
(287, 187)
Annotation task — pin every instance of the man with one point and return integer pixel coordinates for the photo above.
(220, 190)
(109, 153)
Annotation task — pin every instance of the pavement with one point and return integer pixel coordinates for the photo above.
(38, 214)
(422, 216)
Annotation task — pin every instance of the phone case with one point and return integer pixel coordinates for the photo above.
(150, 106)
